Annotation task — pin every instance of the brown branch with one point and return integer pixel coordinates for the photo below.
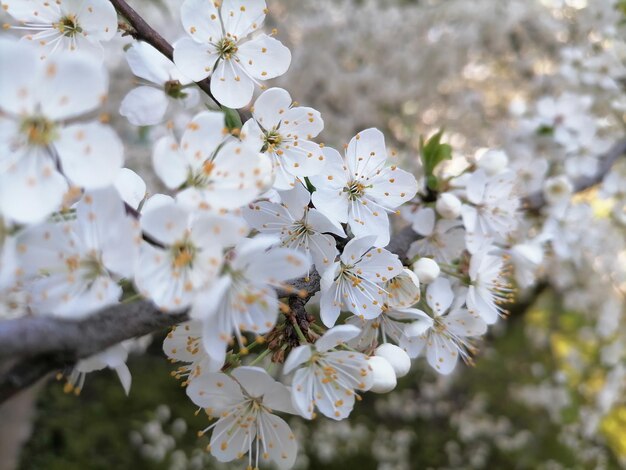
(142, 31)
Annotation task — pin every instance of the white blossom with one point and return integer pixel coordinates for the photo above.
(299, 227)
(360, 189)
(70, 268)
(354, 283)
(64, 25)
(147, 104)
(220, 46)
(244, 403)
(326, 378)
(284, 132)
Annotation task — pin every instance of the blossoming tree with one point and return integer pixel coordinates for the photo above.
(295, 277)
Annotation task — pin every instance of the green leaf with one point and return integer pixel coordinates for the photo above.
(233, 120)
(433, 152)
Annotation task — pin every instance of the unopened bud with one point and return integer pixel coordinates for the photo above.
(448, 206)
(493, 162)
(426, 269)
(397, 357)
(383, 375)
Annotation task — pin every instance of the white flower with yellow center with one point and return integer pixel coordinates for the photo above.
(284, 132)
(64, 24)
(355, 282)
(244, 298)
(446, 334)
(163, 84)
(40, 156)
(244, 403)
(184, 255)
(212, 171)
(361, 189)
(219, 46)
(327, 378)
(298, 226)
(71, 268)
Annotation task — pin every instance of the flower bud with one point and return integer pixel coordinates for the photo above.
(448, 206)
(397, 357)
(426, 269)
(383, 374)
(493, 162)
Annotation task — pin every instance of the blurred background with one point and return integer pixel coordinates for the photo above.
(547, 388)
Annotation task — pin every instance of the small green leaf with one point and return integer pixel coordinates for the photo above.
(233, 120)
(433, 152)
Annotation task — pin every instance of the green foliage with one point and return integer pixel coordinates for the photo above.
(432, 153)
(233, 120)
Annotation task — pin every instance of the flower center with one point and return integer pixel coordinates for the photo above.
(355, 190)
(38, 130)
(174, 89)
(226, 48)
(183, 254)
(201, 178)
(271, 141)
(68, 26)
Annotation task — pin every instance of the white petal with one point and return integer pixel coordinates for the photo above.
(144, 106)
(201, 20)
(32, 189)
(356, 248)
(302, 122)
(64, 95)
(167, 223)
(264, 57)
(230, 85)
(203, 135)
(123, 373)
(214, 391)
(282, 446)
(131, 187)
(424, 221)
(91, 154)
(278, 265)
(168, 162)
(442, 354)
(296, 358)
(392, 187)
(365, 219)
(336, 336)
(270, 107)
(19, 82)
(366, 153)
(242, 17)
(439, 295)
(98, 19)
(194, 60)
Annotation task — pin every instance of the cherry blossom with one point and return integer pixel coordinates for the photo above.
(220, 46)
(446, 334)
(70, 268)
(244, 298)
(284, 132)
(244, 403)
(184, 255)
(213, 171)
(298, 226)
(488, 289)
(147, 104)
(360, 189)
(42, 156)
(64, 25)
(326, 378)
(354, 283)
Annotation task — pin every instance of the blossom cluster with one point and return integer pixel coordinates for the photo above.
(254, 211)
